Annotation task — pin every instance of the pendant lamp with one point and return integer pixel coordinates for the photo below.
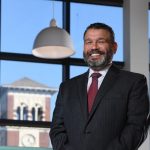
(53, 43)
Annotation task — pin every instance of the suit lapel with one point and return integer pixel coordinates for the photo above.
(82, 87)
(106, 85)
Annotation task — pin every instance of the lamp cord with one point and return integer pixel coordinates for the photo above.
(53, 8)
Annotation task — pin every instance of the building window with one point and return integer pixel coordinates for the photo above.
(25, 113)
(18, 113)
(40, 114)
(33, 114)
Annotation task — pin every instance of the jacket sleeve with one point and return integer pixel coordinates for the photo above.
(132, 134)
(58, 133)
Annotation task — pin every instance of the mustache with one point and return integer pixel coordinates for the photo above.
(96, 51)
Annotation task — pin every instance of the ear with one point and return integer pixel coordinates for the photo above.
(114, 47)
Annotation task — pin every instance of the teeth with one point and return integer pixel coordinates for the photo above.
(94, 54)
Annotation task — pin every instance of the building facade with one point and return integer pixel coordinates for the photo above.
(25, 99)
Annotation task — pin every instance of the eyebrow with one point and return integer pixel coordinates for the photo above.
(88, 39)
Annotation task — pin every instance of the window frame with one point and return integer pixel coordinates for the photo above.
(65, 63)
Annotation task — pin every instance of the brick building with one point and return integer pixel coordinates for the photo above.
(25, 99)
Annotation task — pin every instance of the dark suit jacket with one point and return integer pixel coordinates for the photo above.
(117, 119)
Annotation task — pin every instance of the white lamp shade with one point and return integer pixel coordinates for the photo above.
(54, 43)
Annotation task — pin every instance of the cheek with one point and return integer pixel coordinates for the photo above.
(106, 48)
(86, 49)
(103, 47)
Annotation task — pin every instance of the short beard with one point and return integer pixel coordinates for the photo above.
(99, 64)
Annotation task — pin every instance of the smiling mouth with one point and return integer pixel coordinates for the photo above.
(93, 55)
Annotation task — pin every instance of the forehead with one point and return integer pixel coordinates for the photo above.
(97, 33)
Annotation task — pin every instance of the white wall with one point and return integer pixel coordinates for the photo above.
(136, 43)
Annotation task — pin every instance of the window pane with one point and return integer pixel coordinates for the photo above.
(75, 70)
(22, 20)
(28, 90)
(87, 14)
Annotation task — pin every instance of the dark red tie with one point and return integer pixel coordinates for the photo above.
(93, 90)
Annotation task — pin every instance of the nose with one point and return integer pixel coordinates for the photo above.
(94, 45)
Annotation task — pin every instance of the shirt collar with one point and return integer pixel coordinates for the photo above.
(102, 72)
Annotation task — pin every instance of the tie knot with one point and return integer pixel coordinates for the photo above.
(95, 75)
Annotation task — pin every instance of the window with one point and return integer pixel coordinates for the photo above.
(18, 113)
(33, 114)
(40, 114)
(25, 113)
(75, 70)
(23, 20)
(83, 16)
(30, 76)
(29, 85)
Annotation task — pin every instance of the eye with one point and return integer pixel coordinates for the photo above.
(101, 41)
(88, 42)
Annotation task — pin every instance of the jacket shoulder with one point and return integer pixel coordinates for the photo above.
(132, 74)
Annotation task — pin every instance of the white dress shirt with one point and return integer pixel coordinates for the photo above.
(100, 79)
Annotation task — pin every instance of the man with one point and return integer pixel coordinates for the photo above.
(116, 118)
